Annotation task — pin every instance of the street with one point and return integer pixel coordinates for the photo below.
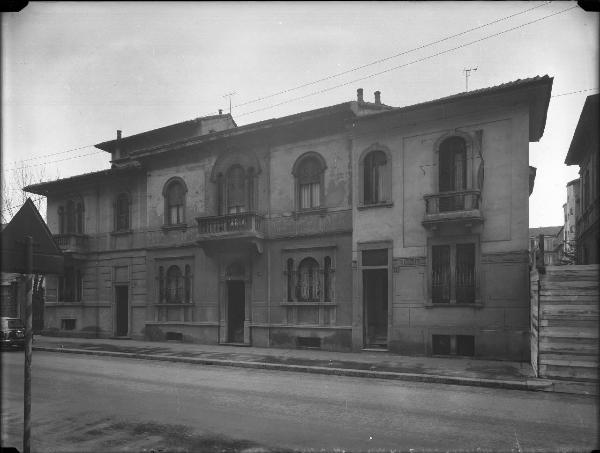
(82, 402)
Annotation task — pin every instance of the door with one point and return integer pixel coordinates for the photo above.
(236, 308)
(375, 302)
(122, 306)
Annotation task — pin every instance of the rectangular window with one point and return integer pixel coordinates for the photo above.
(465, 273)
(377, 257)
(465, 345)
(441, 344)
(453, 274)
(67, 324)
(310, 195)
(440, 278)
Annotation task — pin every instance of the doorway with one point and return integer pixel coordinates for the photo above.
(375, 303)
(122, 308)
(236, 311)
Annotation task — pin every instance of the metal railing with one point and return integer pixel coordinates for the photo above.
(230, 223)
(71, 241)
(463, 200)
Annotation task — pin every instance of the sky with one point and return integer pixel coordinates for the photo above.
(75, 72)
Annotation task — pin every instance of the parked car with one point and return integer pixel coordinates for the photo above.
(12, 332)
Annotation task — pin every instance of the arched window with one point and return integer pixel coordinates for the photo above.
(175, 285)
(309, 171)
(175, 202)
(452, 172)
(307, 288)
(70, 216)
(375, 178)
(327, 279)
(122, 212)
(188, 283)
(71, 219)
(236, 190)
(79, 218)
(290, 279)
(161, 285)
(61, 220)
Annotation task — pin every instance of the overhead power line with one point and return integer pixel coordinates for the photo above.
(54, 161)
(409, 63)
(381, 60)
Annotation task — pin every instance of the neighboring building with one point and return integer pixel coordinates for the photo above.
(253, 234)
(553, 243)
(571, 213)
(10, 284)
(584, 151)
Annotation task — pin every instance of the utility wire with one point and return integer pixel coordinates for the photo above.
(409, 63)
(361, 78)
(54, 161)
(314, 82)
(381, 60)
(572, 92)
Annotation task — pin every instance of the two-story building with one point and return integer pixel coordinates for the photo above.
(348, 227)
(584, 151)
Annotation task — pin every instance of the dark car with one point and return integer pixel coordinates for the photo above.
(12, 333)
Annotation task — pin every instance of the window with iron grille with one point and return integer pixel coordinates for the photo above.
(453, 274)
(174, 286)
(122, 212)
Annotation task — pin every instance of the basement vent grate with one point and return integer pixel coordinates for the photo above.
(308, 342)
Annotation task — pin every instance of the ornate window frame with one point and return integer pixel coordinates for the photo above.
(387, 174)
(300, 161)
(167, 215)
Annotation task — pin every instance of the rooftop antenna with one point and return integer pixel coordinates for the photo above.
(467, 72)
(229, 96)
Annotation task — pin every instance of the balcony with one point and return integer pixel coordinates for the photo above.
(460, 207)
(72, 242)
(243, 225)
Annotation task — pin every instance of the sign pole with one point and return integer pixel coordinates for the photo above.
(28, 348)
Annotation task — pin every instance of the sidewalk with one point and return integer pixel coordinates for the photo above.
(383, 365)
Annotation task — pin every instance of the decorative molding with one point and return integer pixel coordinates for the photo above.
(505, 257)
(412, 261)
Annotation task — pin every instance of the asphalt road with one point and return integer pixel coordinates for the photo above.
(88, 403)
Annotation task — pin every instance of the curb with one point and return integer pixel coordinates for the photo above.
(529, 384)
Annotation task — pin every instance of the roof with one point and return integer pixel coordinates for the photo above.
(172, 129)
(43, 188)
(546, 231)
(543, 101)
(574, 181)
(585, 138)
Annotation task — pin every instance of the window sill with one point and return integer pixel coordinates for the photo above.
(178, 226)
(387, 204)
(476, 304)
(310, 211)
(121, 232)
(317, 303)
(174, 304)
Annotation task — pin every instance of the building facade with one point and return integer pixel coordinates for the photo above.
(553, 243)
(584, 151)
(343, 228)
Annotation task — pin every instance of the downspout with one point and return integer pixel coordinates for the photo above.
(268, 246)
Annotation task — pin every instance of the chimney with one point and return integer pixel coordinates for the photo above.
(118, 134)
(359, 95)
(378, 97)
(220, 112)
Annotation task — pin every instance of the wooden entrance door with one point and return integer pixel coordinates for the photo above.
(375, 301)
(122, 309)
(236, 311)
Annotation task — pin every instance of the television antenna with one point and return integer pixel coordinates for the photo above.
(229, 95)
(467, 72)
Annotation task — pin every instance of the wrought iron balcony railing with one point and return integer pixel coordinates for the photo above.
(243, 222)
(451, 206)
(72, 242)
